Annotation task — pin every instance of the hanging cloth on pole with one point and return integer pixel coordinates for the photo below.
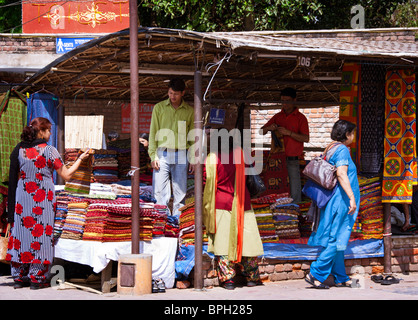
(400, 167)
(44, 104)
(12, 122)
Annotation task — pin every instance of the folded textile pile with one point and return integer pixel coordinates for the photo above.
(63, 199)
(96, 216)
(265, 223)
(73, 227)
(286, 218)
(270, 198)
(100, 190)
(187, 226)
(121, 190)
(105, 166)
(118, 225)
(158, 215)
(81, 179)
(171, 229)
(369, 223)
(123, 149)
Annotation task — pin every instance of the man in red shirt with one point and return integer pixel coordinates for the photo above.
(293, 125)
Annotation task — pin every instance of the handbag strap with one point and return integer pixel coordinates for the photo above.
(333, 146)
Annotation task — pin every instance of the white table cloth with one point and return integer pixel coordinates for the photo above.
(98, 254)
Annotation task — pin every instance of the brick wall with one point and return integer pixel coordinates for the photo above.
(320, 122)
(23, 44)
(110, 109)
(404, 259)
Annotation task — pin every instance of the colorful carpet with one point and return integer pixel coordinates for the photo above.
(400, 169)
(350, 96)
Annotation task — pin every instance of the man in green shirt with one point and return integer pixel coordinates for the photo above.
(171, 121)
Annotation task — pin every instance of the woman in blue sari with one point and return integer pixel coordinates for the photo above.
(338, 216)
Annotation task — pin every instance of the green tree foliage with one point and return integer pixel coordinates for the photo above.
(406, 15)
(10, 16)
(237, 15)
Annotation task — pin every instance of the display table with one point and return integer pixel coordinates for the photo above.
(98, 255)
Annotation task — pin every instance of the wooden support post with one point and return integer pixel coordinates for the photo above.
(387, 239)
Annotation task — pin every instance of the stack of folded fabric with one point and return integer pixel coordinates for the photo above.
(123, 149)
(75, 221)
(100, 190)
(146, 219)
(121, 190)
(286, 218)
(370, 217)
(118, 225)
(96, 216)
(81, 179)
(187, 226)
(159, 220)
(63, 199)
(265, 223)
(171, 229)
(270, 198)
(105, 166)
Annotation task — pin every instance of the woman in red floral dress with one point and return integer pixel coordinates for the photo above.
(32, 204)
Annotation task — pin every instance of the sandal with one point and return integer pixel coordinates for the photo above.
(352, 283)
(315, 283)
(154, 286)
(160, 285)
(229, 285)
(389, 280)
(377, 279)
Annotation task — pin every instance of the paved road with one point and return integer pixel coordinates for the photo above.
(407, 289)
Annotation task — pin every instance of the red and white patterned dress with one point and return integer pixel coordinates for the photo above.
(31, 240)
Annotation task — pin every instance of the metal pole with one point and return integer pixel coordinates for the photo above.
(198, 182)
(133, 42)
(387, 239)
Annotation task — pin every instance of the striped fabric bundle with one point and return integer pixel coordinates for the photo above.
(105, 167)
(270, 198)
(119, 221)
(369, 222)
(123, 149)
(63, 199)
(76, 218)
(81, 179)
(171, 229)
(265, 223)
(187, 226)
(286, 220)
(97, 213)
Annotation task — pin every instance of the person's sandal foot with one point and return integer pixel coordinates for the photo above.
(352, 283)
(229, 285)
(315, 283)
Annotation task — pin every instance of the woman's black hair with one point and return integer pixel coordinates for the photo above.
(30, 132)
(112, 135)
(144, 135)
(340, 130)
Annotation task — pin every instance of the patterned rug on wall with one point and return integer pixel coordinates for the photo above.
(400, 168)
(350, 96)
